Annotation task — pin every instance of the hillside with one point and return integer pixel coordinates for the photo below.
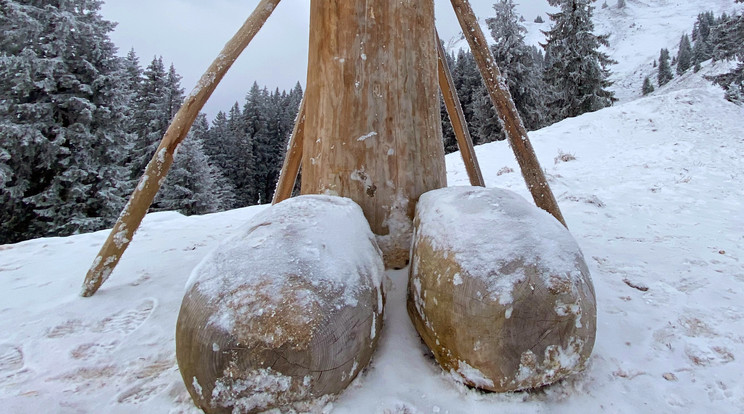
(653, 197)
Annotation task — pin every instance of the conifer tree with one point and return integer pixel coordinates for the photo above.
(61, 120)
(467, 80)
(701, 51)
(575, 66)
(648, 87)
(684, 56)
(448, 134)
(523, 75)
(152, 114)
(193, 185)
(665, 71)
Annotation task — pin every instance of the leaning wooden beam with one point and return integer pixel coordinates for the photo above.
(292, 160)
(457, 118)
(502, 101)
(156, 170)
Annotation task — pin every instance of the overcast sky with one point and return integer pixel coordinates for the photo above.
(190, 34)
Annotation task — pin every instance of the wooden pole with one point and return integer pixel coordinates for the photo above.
(373, 128)
(292, 160)
(457, 118)
(142, 197)
(502, 101)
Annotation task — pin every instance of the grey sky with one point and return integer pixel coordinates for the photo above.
(190, 34)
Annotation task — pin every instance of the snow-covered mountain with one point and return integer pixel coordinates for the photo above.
(653, 197)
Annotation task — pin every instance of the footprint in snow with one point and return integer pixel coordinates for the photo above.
(126, 321)
(88, 351)
(11, 359)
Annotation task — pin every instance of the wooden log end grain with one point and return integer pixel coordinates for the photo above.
(499, 290)
(286, 312)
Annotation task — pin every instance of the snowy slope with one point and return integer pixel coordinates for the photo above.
(654, 198)
(640, 30)
(636, 33)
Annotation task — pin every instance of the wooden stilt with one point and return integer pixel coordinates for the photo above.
(292, 160)
(156, 170)
(502, 100)
(457, 118)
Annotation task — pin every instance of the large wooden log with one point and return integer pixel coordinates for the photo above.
(373, 127)
(287, 311)
(499, 290)
(156, 170)
(502, 100)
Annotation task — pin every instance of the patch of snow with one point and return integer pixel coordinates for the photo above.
(473, 375)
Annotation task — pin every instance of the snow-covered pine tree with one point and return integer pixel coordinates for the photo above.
(648, 87)
(468, 83)
(665, 71)
(61, 120)
(193, 186)
(152, 115)
(242, 161)
(684, 56)
(701, 51)
(523, 75)
(227, 154)
(224, 190)
(575, 65)
(273, 143)
(539, 19)
(728, 37)
(448, 134)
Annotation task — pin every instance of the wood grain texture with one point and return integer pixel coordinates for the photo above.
(373, 127)
(292, 160)
(289, 339)
(457, 119)
(507, 111)
(156, 170)
(544, 332)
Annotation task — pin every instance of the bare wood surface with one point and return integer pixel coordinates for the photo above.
(518, 321)
(288, 325)
(155, 172)
(373, 124)
(507, 111)
(457, 118)
(292, 160)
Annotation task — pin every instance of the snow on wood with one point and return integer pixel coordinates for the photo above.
(508, 306)
(284, 312)
(666, 168)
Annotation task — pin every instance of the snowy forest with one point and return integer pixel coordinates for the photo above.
(78, 123)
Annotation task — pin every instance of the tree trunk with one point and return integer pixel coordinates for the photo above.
(372, 123)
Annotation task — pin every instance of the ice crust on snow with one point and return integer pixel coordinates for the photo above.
(476, 232)
(324, 238)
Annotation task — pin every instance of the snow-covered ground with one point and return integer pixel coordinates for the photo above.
(653, 197)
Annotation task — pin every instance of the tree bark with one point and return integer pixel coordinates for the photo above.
(507, 111)
(155, 172)
(373, 125)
